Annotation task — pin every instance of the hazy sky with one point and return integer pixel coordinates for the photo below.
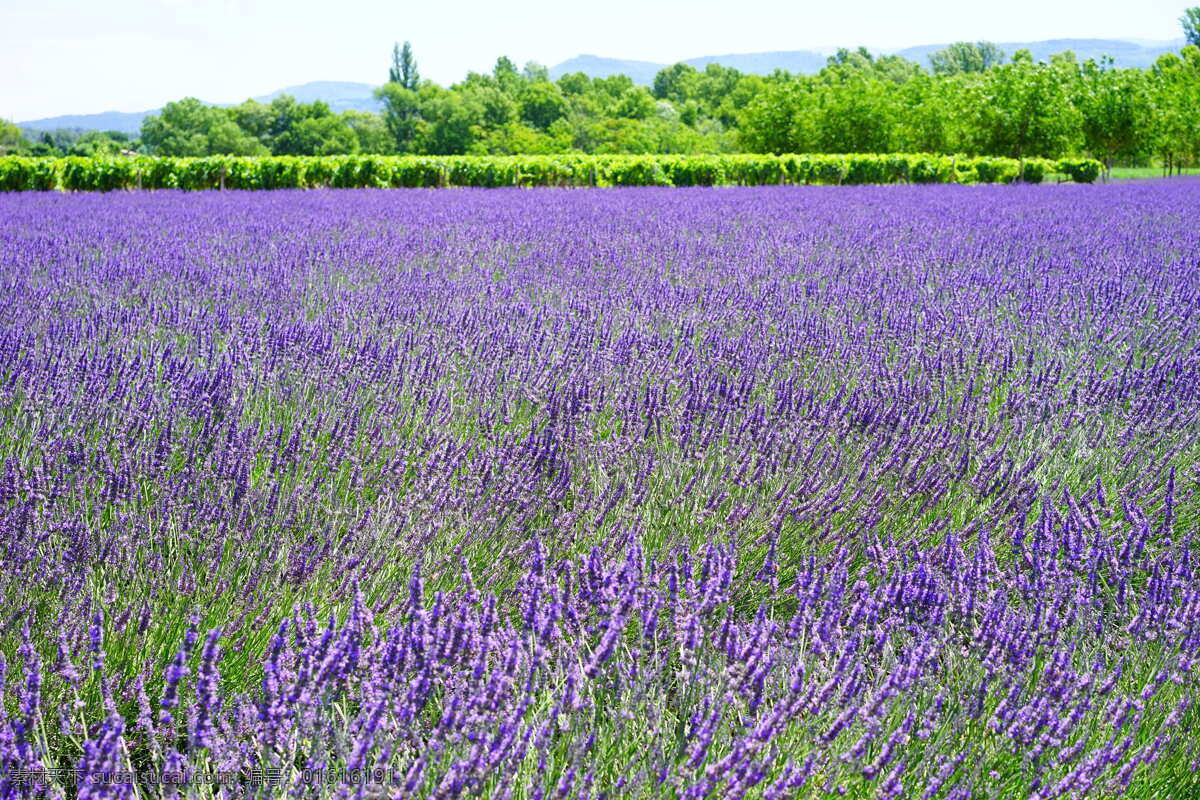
(84, 56)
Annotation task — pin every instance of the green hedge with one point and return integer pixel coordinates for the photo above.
(75, 173)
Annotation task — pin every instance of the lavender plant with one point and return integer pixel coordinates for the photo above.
(866, 492)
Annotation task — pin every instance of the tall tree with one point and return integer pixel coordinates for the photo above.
(1191, 25)
(1116, 111)
(12, 141)
(404, 67)
(401, 115)
(966, 57)
(1024, 109)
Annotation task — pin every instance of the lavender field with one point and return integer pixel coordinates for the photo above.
(863, 492)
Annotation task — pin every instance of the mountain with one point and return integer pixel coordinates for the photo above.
(642, 72)
(340, 95)
(123, 121)
(1140, 54)
(1124, 54)
(805, 61)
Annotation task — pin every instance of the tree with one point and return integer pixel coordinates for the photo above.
(321, 136)
(1191, 25)
(370, 130)
(927, 118)
(636, 102)
(506, 76)
(401, 115)
(535, 72)
(1024, 109)
(854, 116)
(1115, 110)
(256, 119)
(12, 141)
(966, 57)
(404, 67)
(1175, 88)
(779, 118)
(99, 143)
(188, 127)
(542, 103)
(677, 83)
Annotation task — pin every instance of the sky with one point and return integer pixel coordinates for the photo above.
(82, 56)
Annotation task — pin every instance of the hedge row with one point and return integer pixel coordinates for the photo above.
(76, 173)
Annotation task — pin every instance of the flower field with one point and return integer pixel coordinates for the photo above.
(762, 492)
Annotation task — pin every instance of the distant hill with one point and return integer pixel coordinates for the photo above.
(344, 95)
(124, 121)
(1124, 54)
(340, 95)
(643, 72)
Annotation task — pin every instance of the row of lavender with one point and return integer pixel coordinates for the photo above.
(771, 492)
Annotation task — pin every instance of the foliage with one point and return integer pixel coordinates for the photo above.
(1191, 25)
(226, 172)
(1023, 109)
(12, 141)
(971, 102)
(404, 67)
(1176, 96)
(966, 57)
(189, 127)
(1116, 111)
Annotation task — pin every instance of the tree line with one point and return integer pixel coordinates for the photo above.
(973, 99)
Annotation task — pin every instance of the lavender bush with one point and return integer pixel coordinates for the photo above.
(767, 492)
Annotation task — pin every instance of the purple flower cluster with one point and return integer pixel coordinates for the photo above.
(744, 492)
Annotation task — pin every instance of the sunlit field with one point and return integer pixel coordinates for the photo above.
(809, 492)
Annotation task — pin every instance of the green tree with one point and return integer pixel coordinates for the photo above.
(1116, 112)
(1175, 89)
(739, 97)
(854, 116)
(535, 73)
(453, 121)
(542, 103)
(321, 136)
(12, 141)
(516, 138)
(99, 143)
(404, 67)
(370, 131)
(778, 119)
(498, 108)
(1024, 109)
(678, 83)
(308, 129)
(506, 76)
(1191, 25)
(636, 102)
(966, 57)
(575, 84)
(927, 114)
(401, 116)
(255, 119)
(188, 127)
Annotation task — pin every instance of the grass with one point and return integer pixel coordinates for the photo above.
(1123, 173)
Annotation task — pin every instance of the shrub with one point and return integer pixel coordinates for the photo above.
(108, 173)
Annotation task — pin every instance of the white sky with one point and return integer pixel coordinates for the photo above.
(84, 56)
